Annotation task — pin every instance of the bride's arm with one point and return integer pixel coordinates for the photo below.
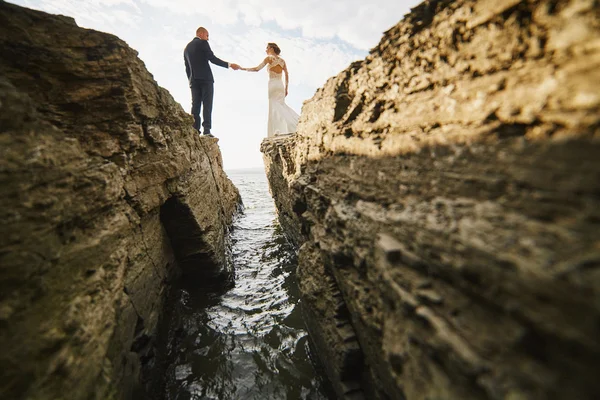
(258, 67)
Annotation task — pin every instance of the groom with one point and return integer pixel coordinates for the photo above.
(197, 54)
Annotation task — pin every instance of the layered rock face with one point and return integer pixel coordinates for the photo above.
(107, 192)
(445, 192)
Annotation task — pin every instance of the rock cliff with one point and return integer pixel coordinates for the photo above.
(107, 193)
(445, 193)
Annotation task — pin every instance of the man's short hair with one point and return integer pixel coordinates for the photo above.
(201, 29)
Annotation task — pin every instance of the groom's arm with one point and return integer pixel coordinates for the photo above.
(211, 56)
(187, 65)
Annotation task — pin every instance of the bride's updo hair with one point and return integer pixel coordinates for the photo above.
(275, 48)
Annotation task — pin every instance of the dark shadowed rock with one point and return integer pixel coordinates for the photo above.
(445, 192)
(106, 192)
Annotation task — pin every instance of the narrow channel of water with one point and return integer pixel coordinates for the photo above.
(250, 342)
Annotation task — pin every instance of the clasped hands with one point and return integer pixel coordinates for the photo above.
(235, 66)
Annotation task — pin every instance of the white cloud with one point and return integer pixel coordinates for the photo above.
(357, 22)
(97, 14)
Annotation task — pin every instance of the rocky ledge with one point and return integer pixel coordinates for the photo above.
(107, 193)
(445, 195)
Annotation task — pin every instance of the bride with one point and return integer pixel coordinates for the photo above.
(282, 119)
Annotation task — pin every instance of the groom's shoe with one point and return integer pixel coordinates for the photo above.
(207, 133)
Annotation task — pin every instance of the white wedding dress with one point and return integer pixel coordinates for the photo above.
(282, 119)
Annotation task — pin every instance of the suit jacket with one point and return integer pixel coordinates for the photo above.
(197, 54)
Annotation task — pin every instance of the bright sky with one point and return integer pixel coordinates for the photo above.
(318, 39)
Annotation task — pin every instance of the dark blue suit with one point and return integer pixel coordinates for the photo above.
(197, 54)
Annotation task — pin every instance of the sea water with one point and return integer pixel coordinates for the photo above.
(249, 342)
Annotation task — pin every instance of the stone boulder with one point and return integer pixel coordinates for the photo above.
(107, 194)
(445, 195)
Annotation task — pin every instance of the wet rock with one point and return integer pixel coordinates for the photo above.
(446, 189)
(94, 154)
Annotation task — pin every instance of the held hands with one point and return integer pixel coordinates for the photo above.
(235, 66)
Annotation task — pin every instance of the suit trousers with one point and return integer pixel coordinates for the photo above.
(202, 100)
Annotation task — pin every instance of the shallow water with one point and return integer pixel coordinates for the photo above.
(250, 342)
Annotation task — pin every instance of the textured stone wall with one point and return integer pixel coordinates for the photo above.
(107, 193)
(445, 192)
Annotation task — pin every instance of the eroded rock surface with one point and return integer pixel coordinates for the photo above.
(107, 192)
(445, 192)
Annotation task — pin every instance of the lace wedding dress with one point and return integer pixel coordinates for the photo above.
(282, 119)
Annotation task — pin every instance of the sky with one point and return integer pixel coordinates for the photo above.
(318, 39)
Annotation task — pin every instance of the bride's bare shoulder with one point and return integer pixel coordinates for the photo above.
(278, 60)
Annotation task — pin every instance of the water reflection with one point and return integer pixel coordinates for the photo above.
(249, 343)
